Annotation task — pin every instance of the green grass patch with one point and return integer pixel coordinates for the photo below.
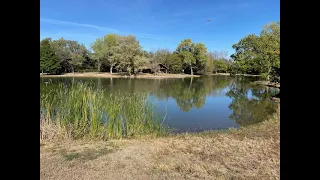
(71, 156)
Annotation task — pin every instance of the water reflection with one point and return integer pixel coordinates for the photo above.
(193, 104)
(192, 92)
(250, 104)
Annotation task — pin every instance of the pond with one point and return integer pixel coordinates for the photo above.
(193, 104)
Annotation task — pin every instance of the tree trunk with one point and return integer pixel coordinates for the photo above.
(191, 70)
(99, 66)
(72, 69)
(269, 71)
(111, 69)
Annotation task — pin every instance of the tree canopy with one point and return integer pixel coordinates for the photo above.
(49, 61)
(259, 54)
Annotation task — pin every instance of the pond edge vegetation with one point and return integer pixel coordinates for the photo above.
(82, 111)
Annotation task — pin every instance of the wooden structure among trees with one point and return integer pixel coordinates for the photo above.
(163, 68)
(155, 68)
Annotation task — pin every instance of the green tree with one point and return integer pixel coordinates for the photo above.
(260, 54)
(98, 52)
(105, 50)
(49, 61)
(129, 54)
(78, 54)
(63, 53)
(88, 65)
(220, 61)
(200, 54)
(162, 55)
(209, 65)
(222, 66)
(188, 59)
(186, 49)
(270, 48)
(174, 62)
(70, 53)
(60, 47)
(193, 54)
(111, 43)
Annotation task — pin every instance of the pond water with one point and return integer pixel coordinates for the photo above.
(194, 104)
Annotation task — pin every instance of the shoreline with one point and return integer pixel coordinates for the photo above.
(275, 98)
(142, 75)
(267, 83)
(118, 75)
(231, 154)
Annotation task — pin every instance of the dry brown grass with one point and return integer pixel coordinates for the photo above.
(246, 153)
(52, 132)
(118, 75)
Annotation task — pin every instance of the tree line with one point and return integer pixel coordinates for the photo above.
(254, 54)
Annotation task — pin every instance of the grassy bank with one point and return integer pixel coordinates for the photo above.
(82, 111)
(119, 75)
(251, 152)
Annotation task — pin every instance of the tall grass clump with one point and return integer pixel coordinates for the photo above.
(81, 110)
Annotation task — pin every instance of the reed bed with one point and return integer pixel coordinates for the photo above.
(81, 110)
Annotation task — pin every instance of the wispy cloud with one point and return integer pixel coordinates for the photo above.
(150, 36)
(67, 35)
(100, 28)
(84, 38)
(67, 23)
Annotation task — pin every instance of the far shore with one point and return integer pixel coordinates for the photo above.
(119, 75)
(142, 75)
(228, 74)
(268, 83)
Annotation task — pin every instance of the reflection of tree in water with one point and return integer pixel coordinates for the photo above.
(252, 109)
(191, 92)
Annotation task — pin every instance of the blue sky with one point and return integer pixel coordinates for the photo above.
(158, 23)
